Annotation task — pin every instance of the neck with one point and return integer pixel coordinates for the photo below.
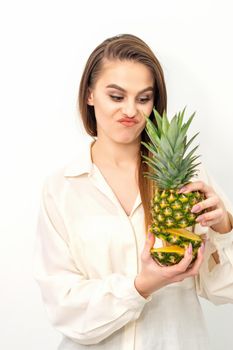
(115, 154)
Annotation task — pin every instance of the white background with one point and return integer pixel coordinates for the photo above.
(44, 46)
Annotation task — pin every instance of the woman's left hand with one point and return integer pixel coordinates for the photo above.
(216, 215)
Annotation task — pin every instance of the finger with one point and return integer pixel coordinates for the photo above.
(150, 239)
(213, 215)
(194, 267)
(209, 223)
(210, 202)
(196, 186)
(182, 266)
(149, 243)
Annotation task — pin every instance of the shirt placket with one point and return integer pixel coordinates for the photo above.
(99, 181)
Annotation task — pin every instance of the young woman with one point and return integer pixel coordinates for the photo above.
(100, 286)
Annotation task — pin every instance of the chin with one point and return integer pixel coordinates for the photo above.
(126, 139)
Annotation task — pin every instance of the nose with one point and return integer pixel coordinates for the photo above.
(129, 109)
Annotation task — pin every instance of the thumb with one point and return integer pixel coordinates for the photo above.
(149, 242)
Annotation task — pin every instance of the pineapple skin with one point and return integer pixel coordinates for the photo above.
(171, 209)
(167, 256)
(181, 241)
(177, 240)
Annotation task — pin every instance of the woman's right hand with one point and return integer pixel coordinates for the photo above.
(154, 276)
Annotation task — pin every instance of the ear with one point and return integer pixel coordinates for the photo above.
(90, 98)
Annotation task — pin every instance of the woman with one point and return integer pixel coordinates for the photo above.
(100, 286)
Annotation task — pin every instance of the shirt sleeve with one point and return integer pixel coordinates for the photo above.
(85, 310)
(215, 281)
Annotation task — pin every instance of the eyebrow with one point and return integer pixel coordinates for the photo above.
(114, 86)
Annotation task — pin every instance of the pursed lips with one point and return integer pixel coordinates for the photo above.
(128, 120)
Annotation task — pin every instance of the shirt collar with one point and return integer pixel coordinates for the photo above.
(82, 164)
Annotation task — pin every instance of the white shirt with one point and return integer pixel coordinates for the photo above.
(87, 254)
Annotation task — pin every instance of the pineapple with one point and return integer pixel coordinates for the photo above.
(180, 238)
(172, 168)
(168, 255)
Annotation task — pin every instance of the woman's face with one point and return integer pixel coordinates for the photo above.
(124, 89)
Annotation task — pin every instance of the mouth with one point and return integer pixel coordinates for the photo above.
(128, 121)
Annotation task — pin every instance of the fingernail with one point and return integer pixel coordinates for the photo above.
(202, 247)
(195, 209)
(190, 248)
(149, 236)
(182, 189)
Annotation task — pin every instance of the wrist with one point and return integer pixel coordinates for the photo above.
(225, 226)
(138, 283)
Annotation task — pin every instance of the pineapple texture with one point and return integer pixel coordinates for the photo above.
(172, 166)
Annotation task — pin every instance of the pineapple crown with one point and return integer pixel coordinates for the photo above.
(172, 167)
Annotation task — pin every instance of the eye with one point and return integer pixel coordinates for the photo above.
(141, 100)
(116, 98)
(144, 100)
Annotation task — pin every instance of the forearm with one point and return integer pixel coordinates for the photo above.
(224, 226)
(89, 311)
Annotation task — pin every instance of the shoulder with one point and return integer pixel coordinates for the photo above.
(77, 167)
(55, 180)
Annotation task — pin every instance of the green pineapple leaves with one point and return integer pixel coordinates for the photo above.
(171, 165)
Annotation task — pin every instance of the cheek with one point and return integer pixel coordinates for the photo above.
(149, 107)
(106, 107)
(104, 117)
(146, 108)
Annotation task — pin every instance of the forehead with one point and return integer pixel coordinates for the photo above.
(127, 74)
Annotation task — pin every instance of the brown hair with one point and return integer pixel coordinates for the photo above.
(124, 47)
